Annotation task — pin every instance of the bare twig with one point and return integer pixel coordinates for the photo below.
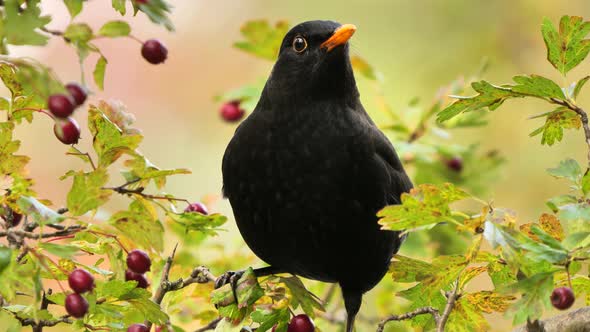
(211, 326)
(420, 311)
(573, 320)
(35, 236)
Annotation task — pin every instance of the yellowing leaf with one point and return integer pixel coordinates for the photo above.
(551, 225)
(427, 204)
(87, 193)
(488, 301)
(140, 224)
(9, 162)
(262, 39)
(109, 141)
(558, 120)
(363, 67)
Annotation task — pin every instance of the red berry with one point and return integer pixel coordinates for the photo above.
(562, 298)
(455, 164)
(142, 281)
(154, 51)
(301, 323)
(197, 207)
(60, 105)
(81, 281)
(77, 92)
(158, 328)
(274, 328)
(76, 305)
(231, 112)
(138, 261)
(67, 131)
(137, 328)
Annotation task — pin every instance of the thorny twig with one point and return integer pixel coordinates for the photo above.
(200, 275)
(410, 315)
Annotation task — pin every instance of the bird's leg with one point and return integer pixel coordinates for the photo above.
(232, 277)
(352, 303)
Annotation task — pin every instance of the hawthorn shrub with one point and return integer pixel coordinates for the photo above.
(122, 276)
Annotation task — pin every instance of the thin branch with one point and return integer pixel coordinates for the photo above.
(35, 236)
(452, 297)
(420, 311)
(139, 191)
(211, 326)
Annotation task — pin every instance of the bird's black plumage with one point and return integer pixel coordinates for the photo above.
(308, 170)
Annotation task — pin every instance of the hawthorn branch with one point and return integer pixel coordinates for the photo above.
(583, 118)
(200, 275)
(452, 297)
(420, 311)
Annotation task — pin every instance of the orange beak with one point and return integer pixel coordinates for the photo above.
(339, 37)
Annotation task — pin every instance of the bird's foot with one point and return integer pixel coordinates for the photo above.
(229, 277)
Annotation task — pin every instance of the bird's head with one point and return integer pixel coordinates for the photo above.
(313, 62)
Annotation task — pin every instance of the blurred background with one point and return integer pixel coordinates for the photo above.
(418, 46)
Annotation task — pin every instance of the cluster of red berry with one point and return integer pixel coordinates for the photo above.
(138, 263)
(62, 106)
(80, 281)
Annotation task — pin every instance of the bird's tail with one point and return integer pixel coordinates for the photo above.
(352, 303)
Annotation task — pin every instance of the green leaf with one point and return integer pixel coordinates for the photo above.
(537, 86)
(535, 291)
(87, 193)
(579, 85)
(363, 67)
(78, 33)
(194, 221)
(489, 96)
(59, 250)
(99, 71)
(40, 213)
(262, 39)
(568, 169)
(115, 29)
(157, 11)
(566, 48)
(20, 25)
(5, 256)
(143, 171)
(586, 183)
(558, 120)
(9, 162)
(301, 296)
(119, 5)
(557, 202)
(406, 269)
(425, 205)
(140, 224)
(248, 292)
(268, 317)
(109, 141)
(74, 7)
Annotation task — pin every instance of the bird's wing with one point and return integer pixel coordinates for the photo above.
(399, 182)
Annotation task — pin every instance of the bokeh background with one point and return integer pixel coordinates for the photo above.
(416, 45)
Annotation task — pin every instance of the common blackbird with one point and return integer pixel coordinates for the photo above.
(308, 170)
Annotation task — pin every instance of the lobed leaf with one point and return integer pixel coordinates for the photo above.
(567, 47)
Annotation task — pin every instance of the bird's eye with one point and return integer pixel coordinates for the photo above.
(299, 44)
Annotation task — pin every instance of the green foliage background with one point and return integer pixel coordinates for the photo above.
(417, 47)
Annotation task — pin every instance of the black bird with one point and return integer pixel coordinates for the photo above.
(308, 170)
